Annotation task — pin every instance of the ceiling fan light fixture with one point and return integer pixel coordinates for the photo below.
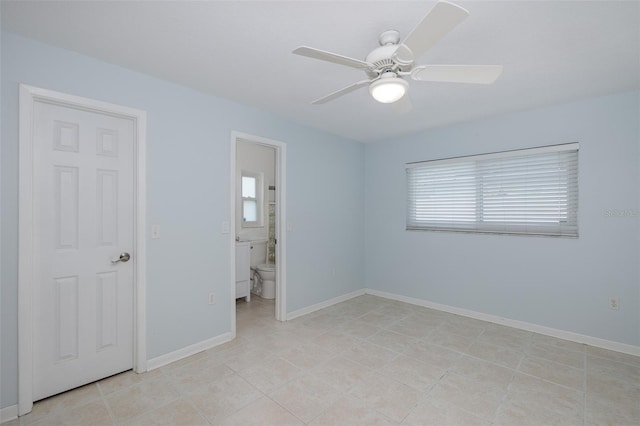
(388, 89)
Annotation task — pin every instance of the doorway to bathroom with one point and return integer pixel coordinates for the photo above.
(257, 205)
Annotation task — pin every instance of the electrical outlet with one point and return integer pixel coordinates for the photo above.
(614, 303)
(212, 298)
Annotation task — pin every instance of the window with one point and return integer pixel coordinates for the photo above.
(251, 191)
(530, 191)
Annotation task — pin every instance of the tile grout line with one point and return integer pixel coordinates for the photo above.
(285, 408)
(503, 400)
(106, 404)
(144, 413)
(182, 395)
(584, 397)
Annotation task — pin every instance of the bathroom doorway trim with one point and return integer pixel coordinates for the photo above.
(281, 220)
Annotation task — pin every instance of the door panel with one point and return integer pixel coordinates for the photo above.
(83, 218)
(66, 321)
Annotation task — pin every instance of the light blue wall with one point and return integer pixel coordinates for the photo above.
(188, 139)
(334, 210)
(556, 282)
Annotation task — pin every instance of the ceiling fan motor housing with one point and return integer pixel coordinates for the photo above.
(382, 57)
(382, 60)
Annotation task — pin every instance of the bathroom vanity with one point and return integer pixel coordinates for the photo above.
(243, 269)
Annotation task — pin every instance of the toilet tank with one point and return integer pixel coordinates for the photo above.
(258, 252)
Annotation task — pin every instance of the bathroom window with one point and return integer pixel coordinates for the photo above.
(531, 191)
(251, 192)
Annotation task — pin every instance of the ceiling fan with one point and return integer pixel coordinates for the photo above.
(388, 65)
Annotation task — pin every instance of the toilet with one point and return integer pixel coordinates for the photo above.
(263, 275)
(267, 273)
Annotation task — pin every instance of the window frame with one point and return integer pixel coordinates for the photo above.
(467, 212)
(259, 200)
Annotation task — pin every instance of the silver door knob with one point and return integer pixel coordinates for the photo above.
(124, 257)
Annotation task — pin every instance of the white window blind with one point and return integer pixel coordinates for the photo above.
(530, 191)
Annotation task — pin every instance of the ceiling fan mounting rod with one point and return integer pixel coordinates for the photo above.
(389, 37)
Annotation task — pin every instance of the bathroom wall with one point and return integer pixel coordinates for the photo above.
(255, 158)
(188, 195)
(562, 283)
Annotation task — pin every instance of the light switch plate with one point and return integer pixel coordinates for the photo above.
(155, 231)
(225, 227)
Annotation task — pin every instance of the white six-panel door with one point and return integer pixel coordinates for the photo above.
(83, 215)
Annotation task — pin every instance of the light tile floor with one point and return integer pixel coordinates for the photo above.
(366, 361)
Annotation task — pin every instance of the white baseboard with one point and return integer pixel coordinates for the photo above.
(11, 412)
(304, 311)
(165, 359)
(522, 325)
(8, 413)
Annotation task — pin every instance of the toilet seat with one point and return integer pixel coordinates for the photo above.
(269, 267)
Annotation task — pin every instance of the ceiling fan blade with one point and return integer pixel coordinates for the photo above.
(439, 21)
(311, 52)
(478, 74)
(403, 105)
(341, 92)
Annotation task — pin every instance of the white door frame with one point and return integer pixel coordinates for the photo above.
(281, 234)
(28, 96)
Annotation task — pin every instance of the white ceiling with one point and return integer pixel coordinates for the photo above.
(552, 52)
